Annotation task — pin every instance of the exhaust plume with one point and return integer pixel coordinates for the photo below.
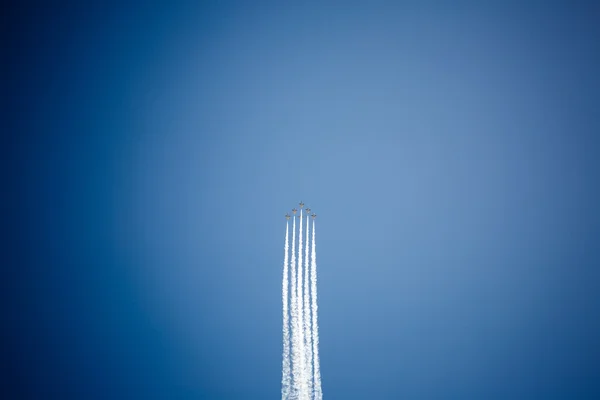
(317, 390)
(286, 377)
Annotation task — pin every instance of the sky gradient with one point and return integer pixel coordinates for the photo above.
(452, 154)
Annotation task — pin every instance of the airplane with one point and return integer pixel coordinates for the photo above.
(287, 216)
(294, 210)
(314, 216)
(308, 211)
(301, 204)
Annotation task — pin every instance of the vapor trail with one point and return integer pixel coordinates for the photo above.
(307, 317)
(318, 392)
(294, 314)
(303, 387)
(286, 378)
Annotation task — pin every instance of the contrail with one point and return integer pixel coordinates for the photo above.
(286, 378)
(301, 369)
(318, 392)
(307, 317)
(302, 387)
(294, 313)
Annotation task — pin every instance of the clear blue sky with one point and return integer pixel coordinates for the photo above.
(451, 152)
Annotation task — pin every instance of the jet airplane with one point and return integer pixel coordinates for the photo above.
(294, 210)
(301, 204)
(308, 210)
(314, 216)
(287, 216)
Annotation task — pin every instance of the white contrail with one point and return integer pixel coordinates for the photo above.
(318, 392)
(285, 378)
(302, 386)
(294, 314)
(301, 372)
(307, 317)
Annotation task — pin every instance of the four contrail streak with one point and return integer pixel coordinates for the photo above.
(286, 377)
(301, 376)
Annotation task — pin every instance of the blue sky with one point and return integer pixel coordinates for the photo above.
(451, 153)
